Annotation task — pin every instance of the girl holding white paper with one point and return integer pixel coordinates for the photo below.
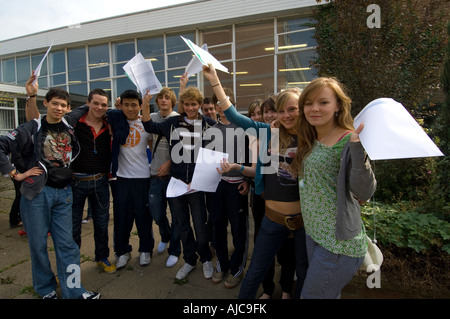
(279, 184)
(334, 175)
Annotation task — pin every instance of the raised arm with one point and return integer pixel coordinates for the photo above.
(183, 82)
(31, 109)
(211, 74)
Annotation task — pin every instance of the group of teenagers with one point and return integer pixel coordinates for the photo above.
(305, 204)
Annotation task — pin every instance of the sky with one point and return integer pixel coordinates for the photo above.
(22, 17)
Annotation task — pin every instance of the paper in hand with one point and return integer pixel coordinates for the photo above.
(204, 56)
(390, 132)
(195, 65)
(142, 74)
(206, 178)
(37, 72)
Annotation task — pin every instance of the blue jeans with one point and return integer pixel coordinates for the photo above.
(328, 273)
(51, 211)
(98, 194)
(226, 205)
(130, 201)
(183, 208)
(270, 238)
(157, 202)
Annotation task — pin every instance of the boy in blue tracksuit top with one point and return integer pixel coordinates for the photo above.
(185, 136)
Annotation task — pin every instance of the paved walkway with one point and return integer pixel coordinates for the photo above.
(154, 281)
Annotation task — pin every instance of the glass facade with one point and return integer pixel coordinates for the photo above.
(262, 57)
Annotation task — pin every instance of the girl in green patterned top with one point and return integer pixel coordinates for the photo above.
(334, 175)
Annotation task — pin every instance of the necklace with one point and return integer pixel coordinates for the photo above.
(323, 140)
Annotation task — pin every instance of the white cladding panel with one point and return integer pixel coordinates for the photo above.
(174, 18)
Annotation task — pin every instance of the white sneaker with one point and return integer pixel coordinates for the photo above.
(171, 261)
(144, 259)
(208, 269)
(122, 260)
(161, 247)
(184, 271)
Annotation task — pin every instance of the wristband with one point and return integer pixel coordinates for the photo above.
(221, 102)
(215, 85)
(30, 97)
(242, 168)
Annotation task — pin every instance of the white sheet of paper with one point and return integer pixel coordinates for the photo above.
(390, 132)
(195, 65)
(177, 188)
(204, 56)
(142, 74)
(37, 72)
(206, 178)
(138, 58)
(146, 78)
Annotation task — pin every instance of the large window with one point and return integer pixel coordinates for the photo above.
(76, 65)
(23, 69)
(9, 70)
(57, 68)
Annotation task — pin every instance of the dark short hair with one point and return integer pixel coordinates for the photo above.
(97, 92)
(269, 104)
(57, 93)
(130, 94)
(207, 100)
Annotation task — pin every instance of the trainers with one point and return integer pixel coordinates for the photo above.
(217, 276)
(171, 261)
(86, 220)
(208, 269)
(51, 295)
(232, 281)
(184, 271)
(144, 259)
(106, 266)
(90, 295)
(161, 247)
(122, 260)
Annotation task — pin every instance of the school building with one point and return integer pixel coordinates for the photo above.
(266, 45)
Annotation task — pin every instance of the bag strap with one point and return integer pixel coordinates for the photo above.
(156, 145)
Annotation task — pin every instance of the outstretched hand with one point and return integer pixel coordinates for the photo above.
(32, 89)
(210, 73)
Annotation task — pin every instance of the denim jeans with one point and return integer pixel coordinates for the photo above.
(98, 194)
(226, 205)
(130, 201)
(51, 211)
(270, 238)
(328, 273)
(157, 202)
(183, 208)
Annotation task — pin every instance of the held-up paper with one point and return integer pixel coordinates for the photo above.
(142, 74)
(195, 65)
(206, 178)
(204, 56)
(37, 72)
(390, 132)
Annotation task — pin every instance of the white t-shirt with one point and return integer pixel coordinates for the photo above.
(133, 160)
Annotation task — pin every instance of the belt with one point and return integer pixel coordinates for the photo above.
(293, 222)
(161, 178)
(93, 177)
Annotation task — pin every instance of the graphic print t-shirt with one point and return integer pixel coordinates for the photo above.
(133, 160)
(57, 145)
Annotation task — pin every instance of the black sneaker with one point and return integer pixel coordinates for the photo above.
(90, 295)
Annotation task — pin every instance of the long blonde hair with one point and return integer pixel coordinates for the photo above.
(306, 132)
(280, 103)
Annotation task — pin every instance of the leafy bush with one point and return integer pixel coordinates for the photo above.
(403, 226)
